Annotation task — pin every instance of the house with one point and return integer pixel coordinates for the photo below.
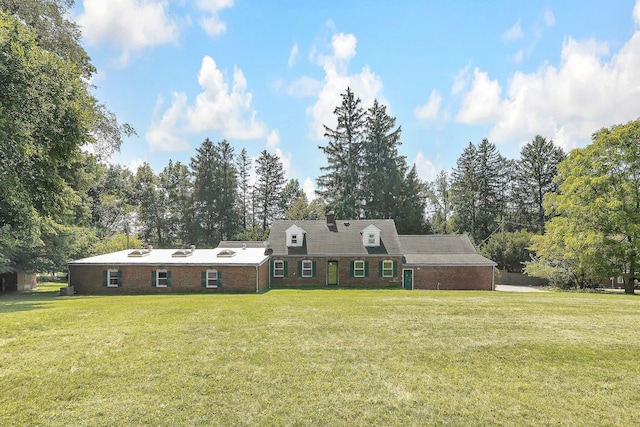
(242, 268)
(444, 262)
(357, 253)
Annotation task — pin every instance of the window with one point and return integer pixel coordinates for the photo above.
(620, 280)
(372, 239)
(358, 268)
(112, 278)
(307, 268)
(212, 279)
(387, 268)
(278, 268)
(162, 278)
(294, 239)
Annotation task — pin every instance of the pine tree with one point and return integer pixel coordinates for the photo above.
(439, 194)
(244, 188)
(175, 180)
(382, 167)
(152, 207)
(411, 204)
(534, 177)
(340, 184)
(227, 184)
(464, 191)
(268, 188)
(205, 216)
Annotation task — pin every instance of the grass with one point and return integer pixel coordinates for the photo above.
(320, 357)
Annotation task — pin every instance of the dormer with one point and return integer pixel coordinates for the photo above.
(371, 236)
(295, 236)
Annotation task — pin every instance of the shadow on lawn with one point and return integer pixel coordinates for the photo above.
(12, 301)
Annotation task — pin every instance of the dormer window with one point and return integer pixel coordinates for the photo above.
(371, 236)
(295, 236)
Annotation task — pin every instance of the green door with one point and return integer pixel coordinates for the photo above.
(332, 273)
(407, 279)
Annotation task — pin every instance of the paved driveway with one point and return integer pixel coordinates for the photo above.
(513, 288)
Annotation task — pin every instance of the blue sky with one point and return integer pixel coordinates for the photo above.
(268, 74)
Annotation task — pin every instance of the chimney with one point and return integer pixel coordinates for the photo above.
(331, 217)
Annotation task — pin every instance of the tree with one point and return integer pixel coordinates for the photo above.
(509, 249)
(534, 177)
(382, 168)
(244, 188)
(175, 182)
(152, 208)
(268, 188)
(290, 194)
(479, 188)
(340, 183)
(595, 229)
(439, 197)
(412, 201)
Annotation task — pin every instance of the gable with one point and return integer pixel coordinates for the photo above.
(371, 236)
(295, 236)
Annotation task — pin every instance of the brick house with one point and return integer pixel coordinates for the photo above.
(238, 269)
(358, 253)
(445, 262)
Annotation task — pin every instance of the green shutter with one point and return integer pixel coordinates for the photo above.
(313, 269)
(352, 268)
(204, 279)
(395, 268)
(168, 279)
(380, 266)
(119, 278)
(105, 278)
(366, 269)
(286, 268)
(299, 268)
(153, 278)
(219, 278)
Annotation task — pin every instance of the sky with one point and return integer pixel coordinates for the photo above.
(268, 74)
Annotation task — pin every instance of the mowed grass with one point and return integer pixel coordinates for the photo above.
(321, 357)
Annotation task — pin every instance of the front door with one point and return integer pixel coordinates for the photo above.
(407, 279)
(332, 273)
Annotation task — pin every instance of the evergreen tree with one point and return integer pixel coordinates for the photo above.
(464, 191)
(227, 184)
(290, 194)
(382, 167)
(411, 204)
(340, 183)
(534, 177)
(205, 217)
(268, 188)
(244, 188)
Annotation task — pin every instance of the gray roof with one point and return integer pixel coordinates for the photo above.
(342, 238)
(442, 250)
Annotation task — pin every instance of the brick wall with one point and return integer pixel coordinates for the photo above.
(88, 280)
(452, 278)
(345, 279)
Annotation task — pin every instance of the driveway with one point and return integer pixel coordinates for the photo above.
(513, 288)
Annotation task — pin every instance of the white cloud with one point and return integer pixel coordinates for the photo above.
(590, 89)
(548, 18)
(223, 108)
(429, 111)
(518, 57)
(273, 139)
(162, 134)
(309, 188)
(128, 25)
(304, 86)
(460, 80)
(211, 22)
(514, 33)
(366, 85)
(636, 13)
(293, 55)
(218, 107)
(425, 167)
(482, 103)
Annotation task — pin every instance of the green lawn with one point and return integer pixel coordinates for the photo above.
(321, 357)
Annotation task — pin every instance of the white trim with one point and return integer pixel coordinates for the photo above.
(278, 268)
(364, 268)
(308, 270)
(391, 269)
(215, 285)
(109, 285)
(165, 278)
